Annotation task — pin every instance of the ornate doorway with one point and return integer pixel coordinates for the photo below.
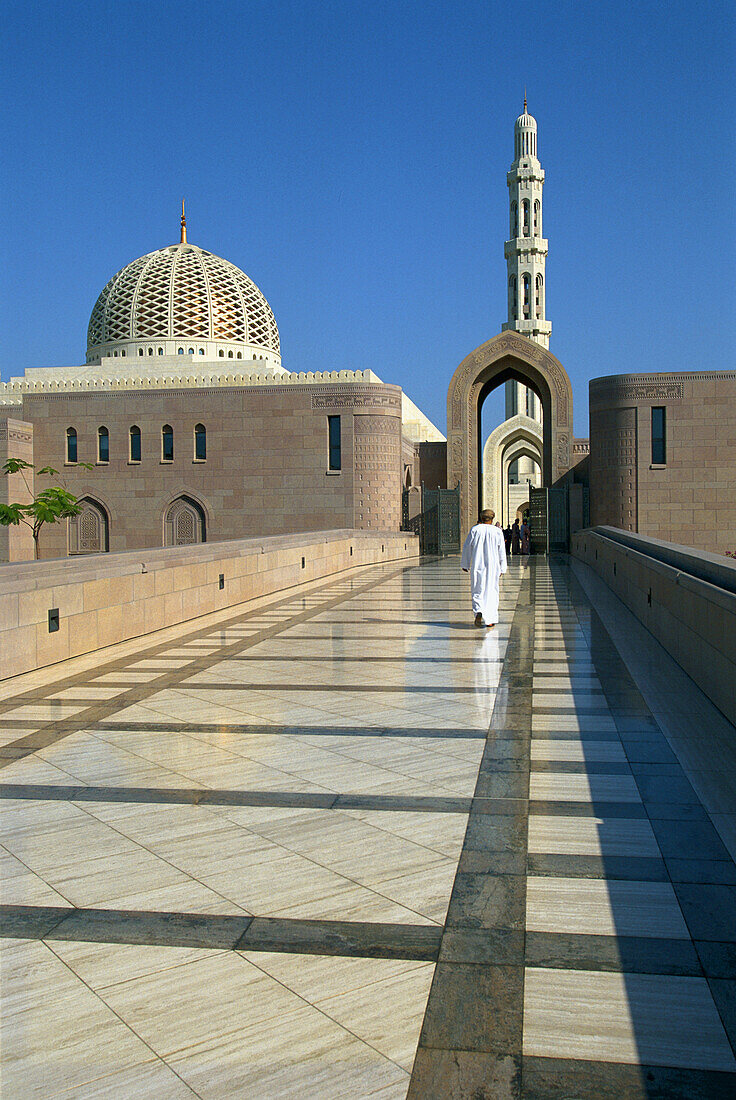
(507, 356)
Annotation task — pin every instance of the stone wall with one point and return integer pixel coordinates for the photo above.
(431, 465)
(16, 441)
(267, 465)
(109, 598)
(691, 497)
(686, 600)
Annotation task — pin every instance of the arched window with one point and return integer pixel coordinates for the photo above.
(135, 443)
(180, 351)
(537, 219)
(200, 442)
(201, 351)
(239, 355)
(229, 355)
(525, 217)
(184, 523)
(123, 352)
(539, 286)
(514, 220)
(167, 443)
(160, 351)
(71, 444)
(513, 299)
(527, 297)
(221, 353)
(89, 532)
(150, 351)
(140, 351)
(103, 445)
(191, 351)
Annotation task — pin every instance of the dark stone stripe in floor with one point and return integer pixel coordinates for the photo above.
(471, 1039)
(290, 731)
(565, 1078)
(42, 792)
(372, 659)
(50, 733)
(631, 868)
(627, 954)
(240, 932)
(403, 688)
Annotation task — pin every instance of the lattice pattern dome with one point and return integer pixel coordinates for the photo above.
(181, 293)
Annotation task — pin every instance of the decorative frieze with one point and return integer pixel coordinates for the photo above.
(15, 435)
(641, 391)
(350, 399)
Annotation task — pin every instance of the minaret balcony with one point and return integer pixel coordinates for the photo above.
(540, 245)
(525, 174)
(530, 328)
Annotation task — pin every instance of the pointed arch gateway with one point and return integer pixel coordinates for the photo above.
(506, 356)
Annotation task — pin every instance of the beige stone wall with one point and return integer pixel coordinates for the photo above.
(692, 498)
(110, 598)
(693, 617)
(266, 471)
(16, 441)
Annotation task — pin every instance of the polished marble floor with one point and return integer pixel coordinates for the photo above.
(348, 845)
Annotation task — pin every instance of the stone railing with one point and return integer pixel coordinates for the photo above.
(53, 610)
(685, 598)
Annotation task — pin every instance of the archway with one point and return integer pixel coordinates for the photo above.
(506, 356)
(511, 433)
(89, 531)
(513, 494)
(184, 523)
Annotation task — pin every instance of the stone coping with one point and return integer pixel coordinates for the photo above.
(715, 569)
(29, 575)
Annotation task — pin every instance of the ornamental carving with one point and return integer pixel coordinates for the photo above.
(563, 451)
(349, 400)
(375, 424)
(663, 391)
(15, 435)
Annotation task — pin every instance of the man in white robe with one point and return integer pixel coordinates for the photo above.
(484, 557)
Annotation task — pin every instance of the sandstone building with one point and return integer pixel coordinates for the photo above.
(194, 429)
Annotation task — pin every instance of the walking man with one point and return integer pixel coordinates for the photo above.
(484, 557)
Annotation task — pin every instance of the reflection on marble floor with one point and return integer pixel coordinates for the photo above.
(229, 864)
(387, 694)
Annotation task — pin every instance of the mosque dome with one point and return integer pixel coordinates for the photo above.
(186, 301)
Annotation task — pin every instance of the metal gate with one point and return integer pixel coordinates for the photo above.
(437, 522)
(548, 520)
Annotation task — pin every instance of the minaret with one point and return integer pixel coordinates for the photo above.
(526, 253)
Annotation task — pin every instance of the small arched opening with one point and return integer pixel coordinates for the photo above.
(89, 532)
(184, 522)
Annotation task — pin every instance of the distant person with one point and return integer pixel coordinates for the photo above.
(526, 538)
(515, 538)
(507, 538)
(484, 557)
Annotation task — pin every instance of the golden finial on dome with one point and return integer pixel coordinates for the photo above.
(525, 101)
(183, 225)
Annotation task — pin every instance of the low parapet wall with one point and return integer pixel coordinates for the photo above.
(52, 610)
(685, 598)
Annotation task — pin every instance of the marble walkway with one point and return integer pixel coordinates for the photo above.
(346, 845)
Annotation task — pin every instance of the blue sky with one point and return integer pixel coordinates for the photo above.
(351, 157)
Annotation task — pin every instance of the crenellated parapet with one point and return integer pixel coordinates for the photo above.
(13, 391)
